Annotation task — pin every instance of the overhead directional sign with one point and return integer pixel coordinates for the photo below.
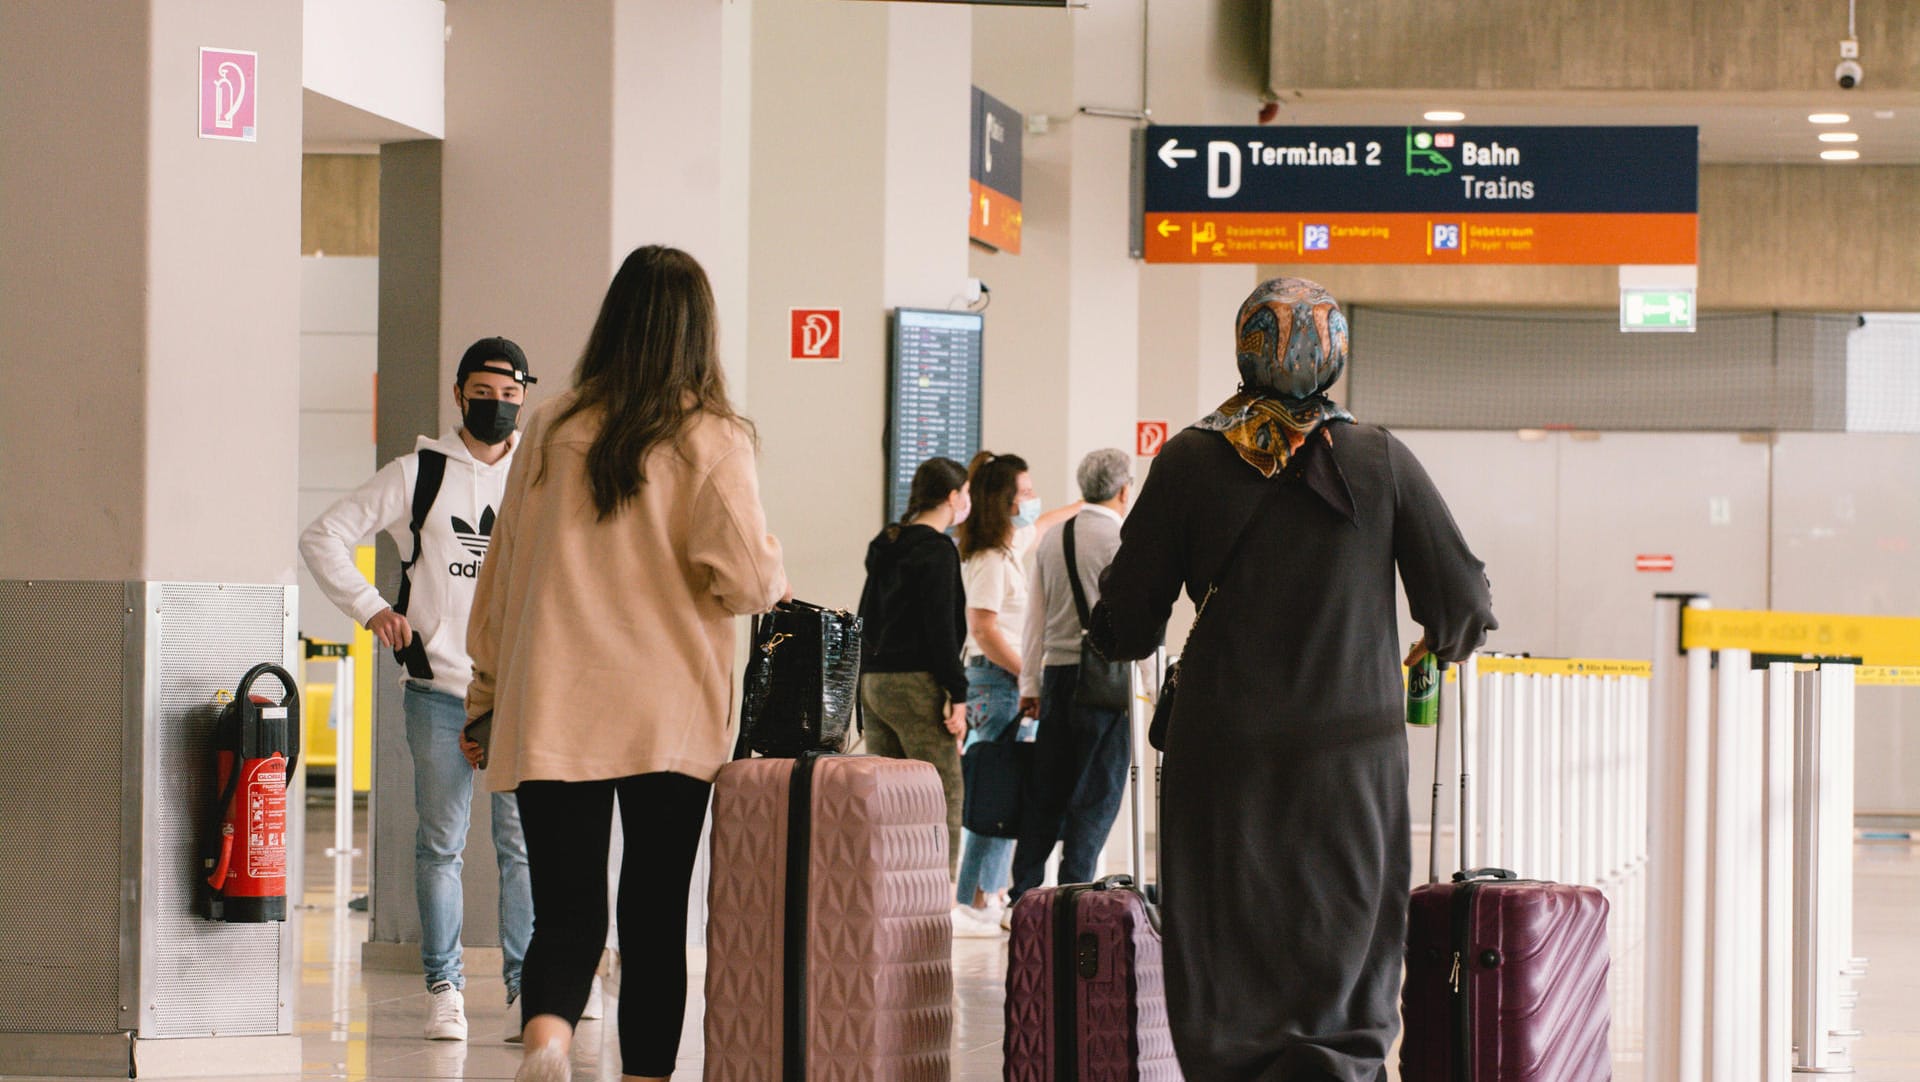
(1422, 195)
(995, 216)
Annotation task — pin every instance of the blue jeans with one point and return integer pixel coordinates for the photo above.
(993, 703)
(443, 802)
(1080, 767)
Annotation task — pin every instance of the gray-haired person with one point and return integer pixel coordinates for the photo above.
(1082, 754)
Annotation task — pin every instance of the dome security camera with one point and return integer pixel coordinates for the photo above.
(1849, 74)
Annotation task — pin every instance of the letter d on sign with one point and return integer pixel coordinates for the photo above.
(1219, 151)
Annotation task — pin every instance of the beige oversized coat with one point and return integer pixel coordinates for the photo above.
(606, 649)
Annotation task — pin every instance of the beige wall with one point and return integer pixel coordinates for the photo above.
(817, 212)
(929, 65)
(527, 181)
(1790, 237)
(223, 305)
(574, 135)
(73, 419)
(151, 299)
(1017, 57)
(1739, 45)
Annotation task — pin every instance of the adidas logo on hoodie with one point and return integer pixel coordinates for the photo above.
(473, 540)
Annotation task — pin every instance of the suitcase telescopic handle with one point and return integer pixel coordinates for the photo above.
(1459, 735)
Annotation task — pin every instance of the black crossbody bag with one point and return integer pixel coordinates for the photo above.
(1102, 684)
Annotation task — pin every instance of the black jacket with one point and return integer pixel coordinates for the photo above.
(914, 607)
(1299, 648)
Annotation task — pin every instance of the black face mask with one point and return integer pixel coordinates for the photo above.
(490, 420)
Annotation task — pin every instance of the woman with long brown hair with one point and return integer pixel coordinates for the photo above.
(1004, 503)
(602, 638)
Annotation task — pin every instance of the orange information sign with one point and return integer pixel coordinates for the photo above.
(996, 218)
(1420, 238)
(993, 170)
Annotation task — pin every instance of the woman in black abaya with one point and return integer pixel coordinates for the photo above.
(1286, 865)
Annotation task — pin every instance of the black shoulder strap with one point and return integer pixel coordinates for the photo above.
(426, 489)
(1073, 577)
(1273, 485)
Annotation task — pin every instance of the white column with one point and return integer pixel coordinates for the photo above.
(1776, 978)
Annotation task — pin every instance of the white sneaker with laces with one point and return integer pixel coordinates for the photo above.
(547, 1063)
(594, 1008)
(971, 923)
(446, 1013)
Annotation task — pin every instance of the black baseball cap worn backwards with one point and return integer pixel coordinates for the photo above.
(488, 352)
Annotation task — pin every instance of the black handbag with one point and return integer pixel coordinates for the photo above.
(803, 677)
(994, 773)
(1101, 684)
(1163, 705)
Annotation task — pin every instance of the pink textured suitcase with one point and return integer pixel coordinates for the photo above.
(828, 940)
(1086, 998)
(1506, 977)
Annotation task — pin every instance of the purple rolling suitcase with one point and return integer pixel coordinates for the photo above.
(1086, 994)
(1506, 978)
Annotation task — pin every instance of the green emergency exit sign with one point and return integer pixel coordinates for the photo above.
(1656, 310)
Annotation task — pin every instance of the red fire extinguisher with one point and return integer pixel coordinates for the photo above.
(256, 743)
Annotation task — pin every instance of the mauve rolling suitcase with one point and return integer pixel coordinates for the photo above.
(1506, 978)
(1086, 991)
(828, 936)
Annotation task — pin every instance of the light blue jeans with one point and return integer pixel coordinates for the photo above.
(443, 802)
(993, 703)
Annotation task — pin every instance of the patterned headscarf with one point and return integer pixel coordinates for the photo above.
(1292, 347)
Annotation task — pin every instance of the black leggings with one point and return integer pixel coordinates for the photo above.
(568, 825)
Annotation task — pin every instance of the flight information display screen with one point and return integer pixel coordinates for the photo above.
(933, 403)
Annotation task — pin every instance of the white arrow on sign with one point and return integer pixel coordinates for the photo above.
(1171, 153)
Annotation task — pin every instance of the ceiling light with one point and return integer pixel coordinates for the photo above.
(1828, 118)
(1839, 155)
(1883, 114)
(1446, 116)
(1839, 137)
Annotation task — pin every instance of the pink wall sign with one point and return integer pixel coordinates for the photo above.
(228, 89)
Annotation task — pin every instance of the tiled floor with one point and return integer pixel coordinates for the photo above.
(360, 1025)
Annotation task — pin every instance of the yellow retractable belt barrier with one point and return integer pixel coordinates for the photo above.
(1557, 666)
(1875, 640)
(1899, 676)
(1566, 666)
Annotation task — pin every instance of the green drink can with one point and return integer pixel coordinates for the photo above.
(1423, 693)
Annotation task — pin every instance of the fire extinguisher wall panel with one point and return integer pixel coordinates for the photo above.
(106, 712)
(66, 650)
(199, 977)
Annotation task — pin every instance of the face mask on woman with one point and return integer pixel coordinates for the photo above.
(965, 509)
(1029, 512)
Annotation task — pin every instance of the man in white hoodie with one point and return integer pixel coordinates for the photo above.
(439, 504)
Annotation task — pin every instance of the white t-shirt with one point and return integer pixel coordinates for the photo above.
(996, 581)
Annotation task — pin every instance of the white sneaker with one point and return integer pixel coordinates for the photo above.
(971, 923)
(1006, 919)
(514, 1027)
(446, 1013)
(548, 1063)
(594, 1009)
